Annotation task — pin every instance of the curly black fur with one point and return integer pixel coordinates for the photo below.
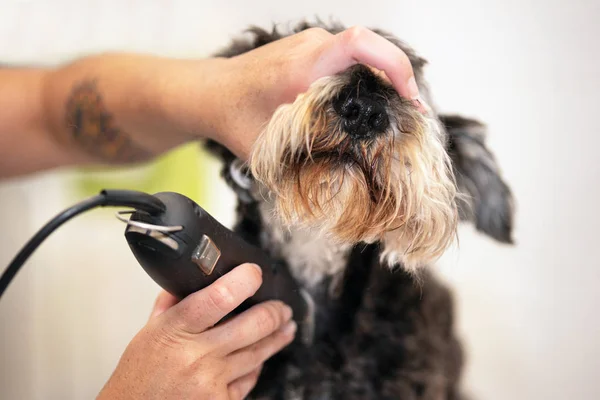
(381, 334)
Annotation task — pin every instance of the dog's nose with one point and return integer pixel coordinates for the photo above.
(362, 116)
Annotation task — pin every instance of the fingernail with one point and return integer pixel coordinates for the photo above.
(421, 105)
(257, 268)
(287, 312)
(413, 89)
(290, 328)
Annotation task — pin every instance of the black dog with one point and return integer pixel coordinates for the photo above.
(361, 192)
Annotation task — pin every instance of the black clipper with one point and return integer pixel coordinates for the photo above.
(184, 249)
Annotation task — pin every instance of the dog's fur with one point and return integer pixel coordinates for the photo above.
(355, 213)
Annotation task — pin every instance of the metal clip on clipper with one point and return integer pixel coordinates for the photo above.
(183, 249)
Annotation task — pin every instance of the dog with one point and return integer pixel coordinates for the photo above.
(356, 191)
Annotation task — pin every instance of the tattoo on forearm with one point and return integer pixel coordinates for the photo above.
(93, 127)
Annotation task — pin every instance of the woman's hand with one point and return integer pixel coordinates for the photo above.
(255, 83)
(182, 354)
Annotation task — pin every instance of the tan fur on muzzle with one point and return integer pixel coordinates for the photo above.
(397, 188)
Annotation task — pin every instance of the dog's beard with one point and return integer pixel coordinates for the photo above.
(395, 187)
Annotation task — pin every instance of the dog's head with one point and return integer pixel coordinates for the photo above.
(352, 160)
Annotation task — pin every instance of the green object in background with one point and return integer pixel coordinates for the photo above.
(180, 171)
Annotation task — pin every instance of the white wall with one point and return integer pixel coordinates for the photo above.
(528, 68)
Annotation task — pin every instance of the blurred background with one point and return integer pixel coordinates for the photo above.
(527, 313)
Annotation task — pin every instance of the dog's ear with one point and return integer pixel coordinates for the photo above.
(489, 201)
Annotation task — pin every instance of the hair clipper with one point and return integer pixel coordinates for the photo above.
(184, 249)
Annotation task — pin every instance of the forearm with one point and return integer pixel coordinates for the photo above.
(105, 109)
(23, 134)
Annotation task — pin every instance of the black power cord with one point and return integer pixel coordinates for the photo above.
(106, 198)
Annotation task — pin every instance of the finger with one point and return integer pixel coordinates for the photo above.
(203, 309)
(247, 328)
(164, 301)
(241, 387)
(249, 358)
(361, 45)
